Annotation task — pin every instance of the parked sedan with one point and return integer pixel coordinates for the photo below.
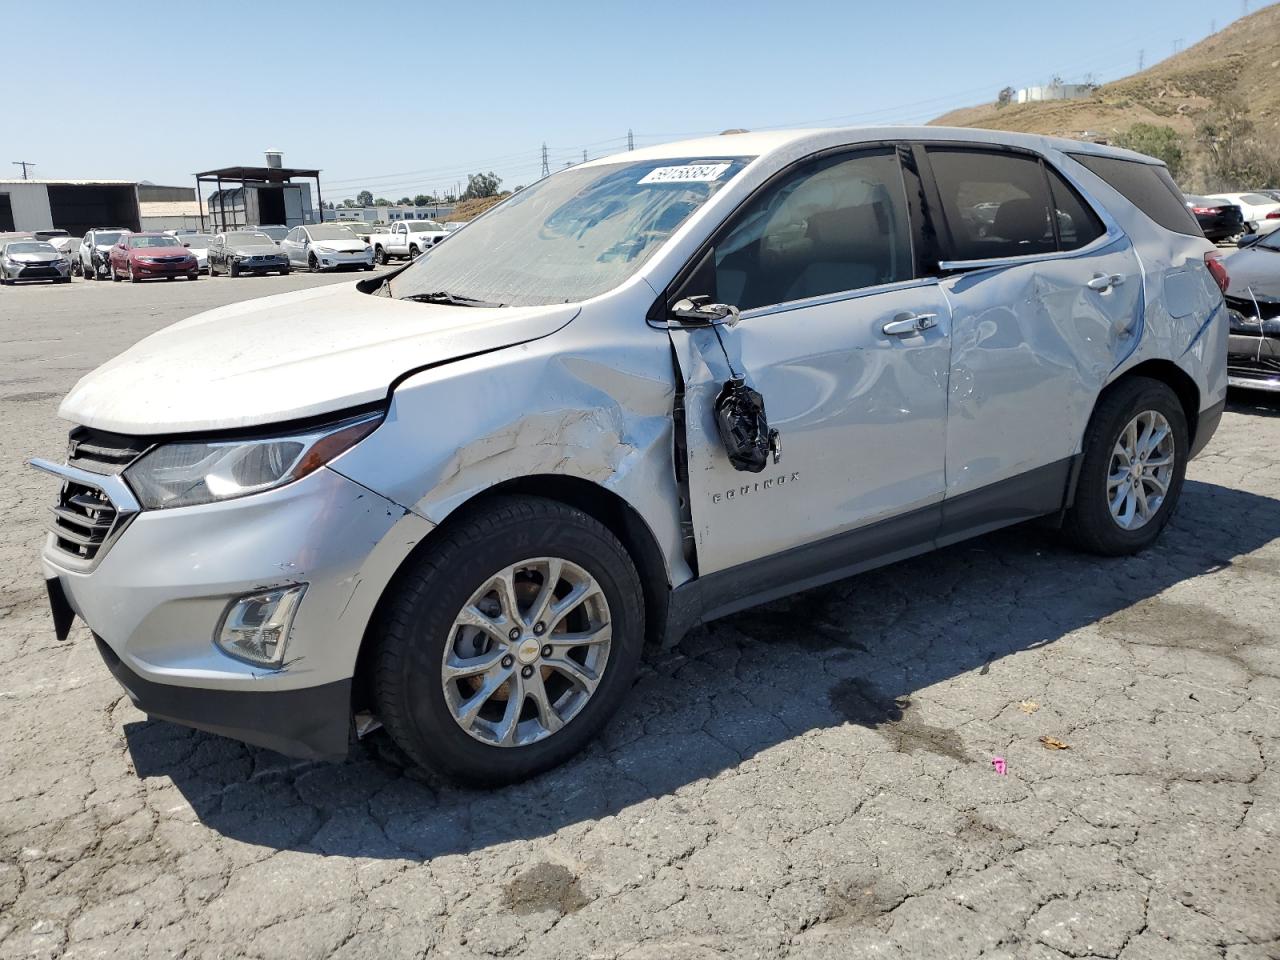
(1218, 219)
(327, 246)
(32, 260)
(149, 256)
(1253, 302)
(246, 251)
(1261, 212)
(198, 244)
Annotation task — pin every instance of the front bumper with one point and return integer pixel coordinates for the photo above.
(156, 596)
(1253, 351)
(355, 258)
(261, 264)
(38, 271)
(180, 269)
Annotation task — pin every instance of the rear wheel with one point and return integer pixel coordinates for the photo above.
(233, 270)
(506, 646)
(1135, 460)
(111, 269)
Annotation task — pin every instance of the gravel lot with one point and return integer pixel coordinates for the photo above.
(812, 779)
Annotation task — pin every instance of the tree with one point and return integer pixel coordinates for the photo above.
(328, 204)
(349, 203)
(382, 202)
(423, 200)
(364, 198)
(1163, 143)
(482, 185)
(405, 202)
(1005, 97)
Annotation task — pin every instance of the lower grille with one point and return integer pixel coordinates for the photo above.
(82, 520)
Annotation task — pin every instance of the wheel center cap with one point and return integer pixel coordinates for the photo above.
(528, 650)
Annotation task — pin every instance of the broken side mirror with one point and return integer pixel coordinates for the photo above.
(700, 311)
(744, 427)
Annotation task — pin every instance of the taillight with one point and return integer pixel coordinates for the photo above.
(1218, 268)
(1204, 209)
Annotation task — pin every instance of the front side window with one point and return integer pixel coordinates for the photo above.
(996, 204)
(571, 236)
(839, 223)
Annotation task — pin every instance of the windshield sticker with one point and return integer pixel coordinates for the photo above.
(687, 173)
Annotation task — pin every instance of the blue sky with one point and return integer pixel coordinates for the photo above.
(360, 91)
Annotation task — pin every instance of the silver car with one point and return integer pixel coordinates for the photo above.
(33, 260)
(643, 393)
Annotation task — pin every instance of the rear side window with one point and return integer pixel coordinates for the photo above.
(1148, 187)
(1078, 225)
(996, 204)
(1256, 199)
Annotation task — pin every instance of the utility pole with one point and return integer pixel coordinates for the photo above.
(584, 154)
(546, 170)
(1213, 26)
(1177, 45)
(631, 140)
(1142, 59)
(24, 164)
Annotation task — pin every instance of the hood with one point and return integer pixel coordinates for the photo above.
(156, 253)
(287, 357)
(1256, 269)
(44, 256)
(255, 249)
(342, 246)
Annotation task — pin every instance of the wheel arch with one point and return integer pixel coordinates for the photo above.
(1176, 379)
(598, 502)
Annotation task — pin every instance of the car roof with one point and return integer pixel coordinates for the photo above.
(798, 143)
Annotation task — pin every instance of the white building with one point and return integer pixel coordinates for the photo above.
(1054, 91)
(390, 213)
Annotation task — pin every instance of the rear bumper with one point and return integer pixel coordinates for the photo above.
(1253, 352)
(310, 722)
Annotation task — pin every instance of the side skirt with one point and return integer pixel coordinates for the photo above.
(1043, 491)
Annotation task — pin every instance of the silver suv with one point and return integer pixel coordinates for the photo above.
(640, 394)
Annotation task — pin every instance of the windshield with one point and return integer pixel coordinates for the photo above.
(1270, 242)
(153, 242)
(328, 232)
(30, 247)
(571, 236)
(275, 233)
(250, 239)
(422, 226)
(198, 240)
(106, 239)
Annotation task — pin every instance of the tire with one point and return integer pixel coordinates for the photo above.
(414, 252)
(64, 279)
(284, 272)
(1090, 523)
(313, 264)
(89, 273)
(194, 276)
(416, 624)
(380, 256)
(133, 275)
(115, 277)
(209, 267)
(233, 270)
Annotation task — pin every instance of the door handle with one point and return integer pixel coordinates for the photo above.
(906, 324)
(1103, 282)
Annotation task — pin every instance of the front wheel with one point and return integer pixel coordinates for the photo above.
(111, 269)
(505, 648)
(1135, 460)
(380, 255)
(313, 264)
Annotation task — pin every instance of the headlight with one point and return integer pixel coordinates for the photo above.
(185, 474)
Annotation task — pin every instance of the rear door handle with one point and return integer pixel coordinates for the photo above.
(906, 324)
(1103, 282)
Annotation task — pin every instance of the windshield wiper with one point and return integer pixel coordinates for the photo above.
(457, 300)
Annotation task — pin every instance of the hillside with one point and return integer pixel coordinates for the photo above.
(1230, 77)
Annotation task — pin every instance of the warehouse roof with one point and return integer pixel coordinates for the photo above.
(73, 183)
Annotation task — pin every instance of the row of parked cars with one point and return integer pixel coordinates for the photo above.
(1231, 216)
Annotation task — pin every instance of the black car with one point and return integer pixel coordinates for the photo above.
(1253, 302)
(1218, 219)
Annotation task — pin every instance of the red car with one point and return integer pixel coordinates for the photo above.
(144, 256)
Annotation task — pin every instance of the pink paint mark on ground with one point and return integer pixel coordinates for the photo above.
(999, 764)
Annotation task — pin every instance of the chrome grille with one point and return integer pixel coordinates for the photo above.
(85, 518)
(82, 520)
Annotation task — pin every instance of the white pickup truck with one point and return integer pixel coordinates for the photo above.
(407, 238)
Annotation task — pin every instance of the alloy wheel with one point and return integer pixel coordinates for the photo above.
(1141, 470)
(526, 652)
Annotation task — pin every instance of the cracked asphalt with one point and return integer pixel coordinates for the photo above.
(812, 779)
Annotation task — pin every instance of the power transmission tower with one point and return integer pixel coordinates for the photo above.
(631, 140)
(24, 164)
(1142, 59)
(584, 154)
(546, 169)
